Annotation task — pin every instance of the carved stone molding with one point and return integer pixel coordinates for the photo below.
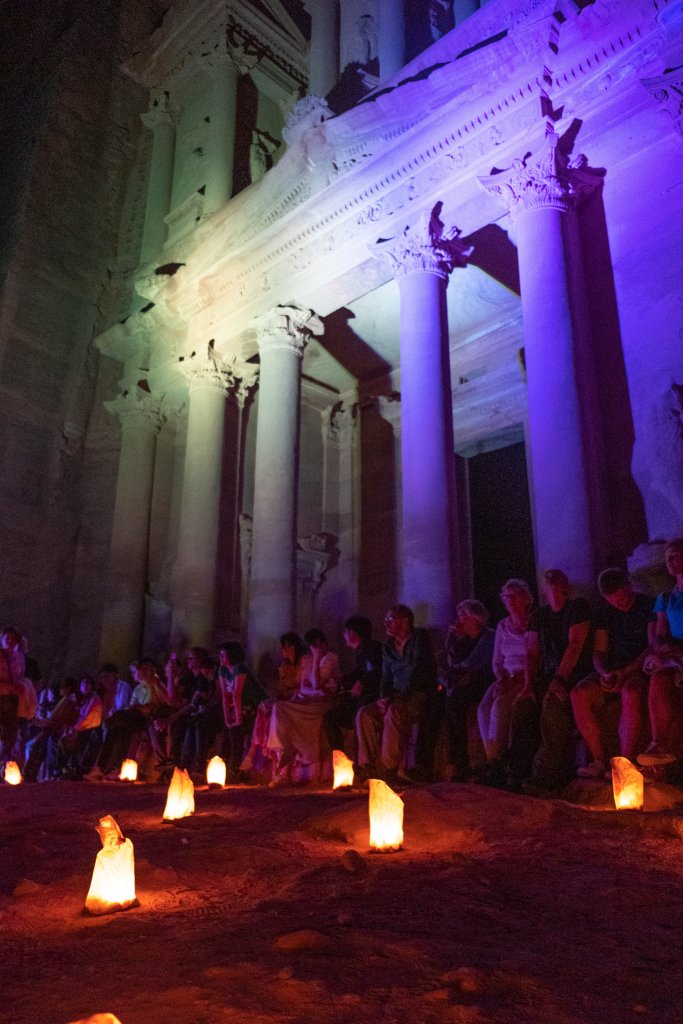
(234, 58)
(287, 327)
(424, 248)
(160, 112)
(338, 427)
(667, 89)
(541, 181)
(137, 407)
(317, 554)
(307, 113)
(206, 371)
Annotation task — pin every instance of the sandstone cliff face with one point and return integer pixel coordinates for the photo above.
(71, 126)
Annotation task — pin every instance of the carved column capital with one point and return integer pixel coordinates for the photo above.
(206, 371)
(667, 89)
(287, 327)
(544, 180)
(426, 247)
(137, 407)
(339, 424)
(234, 58)
(160, 112)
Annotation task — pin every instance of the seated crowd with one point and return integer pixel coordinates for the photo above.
(545, 678)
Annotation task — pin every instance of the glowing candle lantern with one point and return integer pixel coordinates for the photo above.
(386, 817)
(342, 768)
(627, 783)
(13, 773)
(113, 878)
(98, 1018)
(129, 770)
(180, 799)
(215, 771)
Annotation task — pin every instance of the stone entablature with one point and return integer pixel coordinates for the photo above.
(251, 251)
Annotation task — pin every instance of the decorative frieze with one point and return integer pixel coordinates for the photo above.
(289, 328)
(425, 247)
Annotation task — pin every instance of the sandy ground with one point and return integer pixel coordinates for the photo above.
(267, 907)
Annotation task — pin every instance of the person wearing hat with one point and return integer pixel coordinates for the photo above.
(558, 655)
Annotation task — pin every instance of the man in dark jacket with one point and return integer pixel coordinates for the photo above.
(407, 692)
(358, 687)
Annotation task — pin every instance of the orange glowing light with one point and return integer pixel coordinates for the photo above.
(113, 879)
(98, 1018)
(129, 770)
(627, 783)
(13, 773)
(180, 799)
(215, 771)
(386, 817)
(342, 768)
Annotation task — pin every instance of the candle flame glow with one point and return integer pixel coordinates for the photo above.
(386, 817)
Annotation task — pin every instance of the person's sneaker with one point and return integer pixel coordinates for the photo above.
(655, 755)
(594, 770)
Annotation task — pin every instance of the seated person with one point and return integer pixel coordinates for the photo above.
(292, 650)
(205, 720)
(358, 687)
(665, 666)
(469, 673)
(407, 693)
(79, 744)
(43, 748)
(114, 692)
(240, 694)
(624, 628)
(509, 661)
(296, 731)
(558, 656)
(12, 668)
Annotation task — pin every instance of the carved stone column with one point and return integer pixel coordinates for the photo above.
(282, 336)
(324, 51)
(225, 68)
(391, 38)
(159, 120)
(422, 258)
(210, 380)
(123, 619)
(541, 191)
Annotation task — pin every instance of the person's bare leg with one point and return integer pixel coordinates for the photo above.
(666, 710)
(588, 700)
(631, 717)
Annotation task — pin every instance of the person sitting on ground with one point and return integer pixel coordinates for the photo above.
(181, 687)
(241, 694)
(407, 692)
(558, 656)
(509, 660)
(48, 698)
(205, 721)
(148, 696)
(292, 650)
(114, 692)
(80, 743)
(469, 673)
(624, 630)
(665, 666)
(358, 687)
(296, 725)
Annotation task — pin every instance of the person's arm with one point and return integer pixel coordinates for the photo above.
(328, 673)
(498, 661)
(601, 652)
(578, 634)
(237, 697)
(531, 663)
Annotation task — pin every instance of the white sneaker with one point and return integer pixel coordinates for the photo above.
(655, 755)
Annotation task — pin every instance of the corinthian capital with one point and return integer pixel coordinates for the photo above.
(235, 58)
(206, 371)
(424, 248)
(159, 112)
(544, 180)
(137, 407)
(667, 89)
(287, 327)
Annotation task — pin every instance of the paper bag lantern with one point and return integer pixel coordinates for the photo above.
(627, 783)
(386, 817)
(113, 878)
(13, 773)
(98, 1018)
(180, 799)
(215, 771)
(129, 770)
(342, 768)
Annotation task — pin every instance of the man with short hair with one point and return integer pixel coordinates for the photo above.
(624, 630)
(358, 687)
(469, 673)
(407, 692)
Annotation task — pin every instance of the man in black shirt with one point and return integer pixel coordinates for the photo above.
(361, 685)
(558, 656)
(624, 628)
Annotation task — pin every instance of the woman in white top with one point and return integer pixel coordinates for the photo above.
(509, 658)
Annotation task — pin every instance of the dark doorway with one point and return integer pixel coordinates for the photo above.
(502, 536)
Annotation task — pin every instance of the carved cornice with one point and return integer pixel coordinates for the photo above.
(424, 248)
(236, 59)
(206, 371)
(546, 180)
(288, 328)
(667, 89)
